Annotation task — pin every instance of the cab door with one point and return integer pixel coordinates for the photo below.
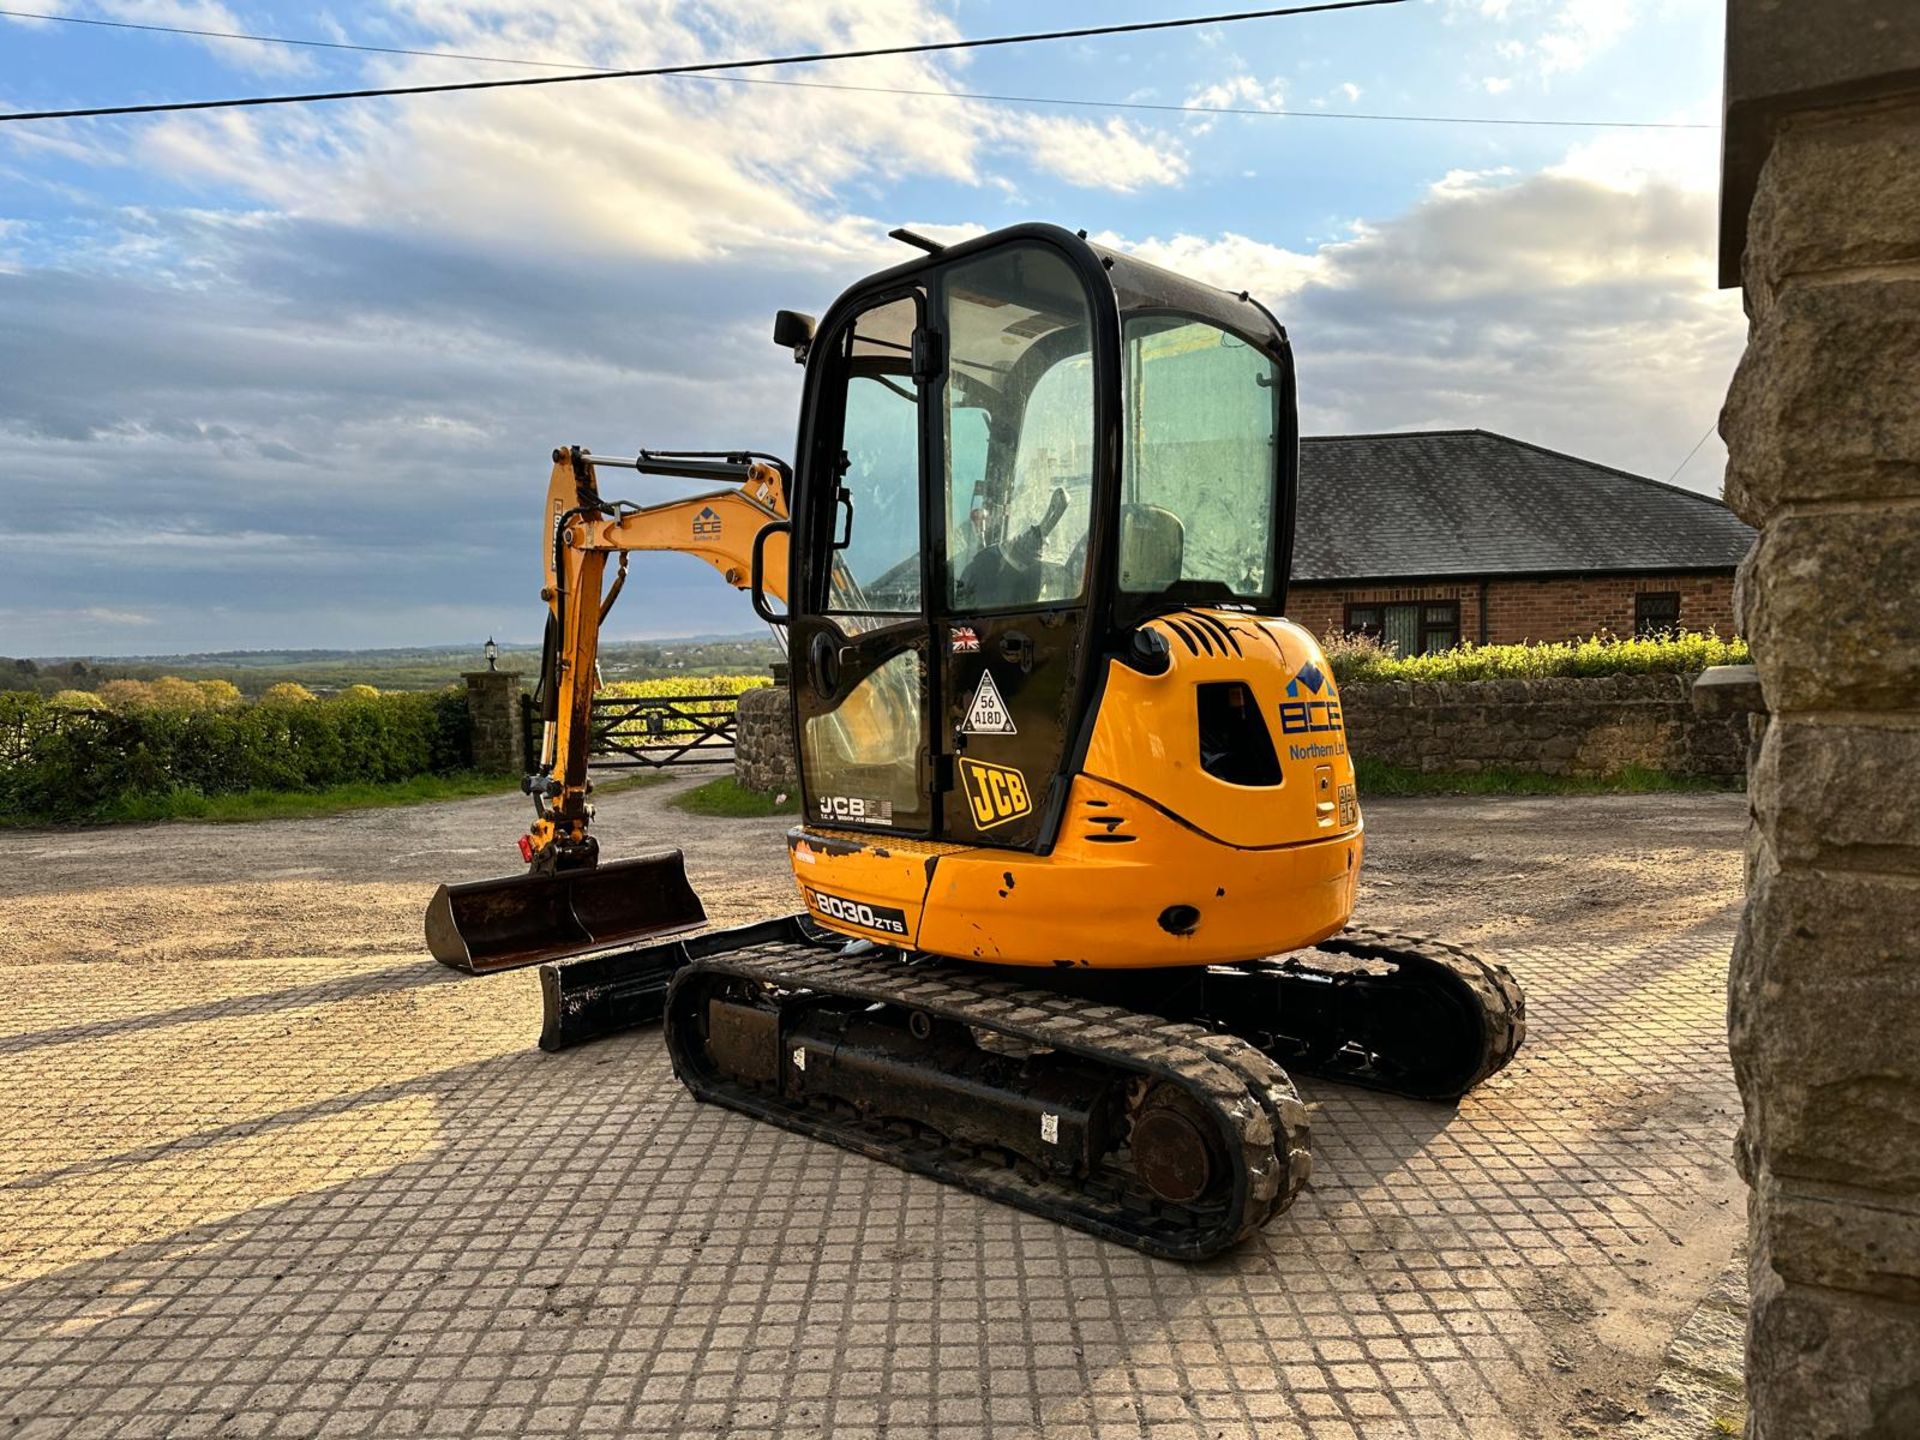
(859, 637)
(1014, 495)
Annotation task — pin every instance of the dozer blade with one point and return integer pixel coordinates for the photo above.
(488, 925)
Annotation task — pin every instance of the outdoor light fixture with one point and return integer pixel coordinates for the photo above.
(491, 651)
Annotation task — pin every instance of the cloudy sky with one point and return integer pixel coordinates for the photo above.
(290, 377)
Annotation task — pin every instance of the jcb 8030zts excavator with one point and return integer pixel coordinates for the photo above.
(1080, 838)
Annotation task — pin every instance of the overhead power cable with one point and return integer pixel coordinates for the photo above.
(975, 95)
(1207, 109)
(1693, 452)
(701, 67)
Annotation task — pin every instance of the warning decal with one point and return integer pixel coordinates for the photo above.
(988, 715)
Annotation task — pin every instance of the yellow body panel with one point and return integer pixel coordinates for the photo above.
(1157, 862)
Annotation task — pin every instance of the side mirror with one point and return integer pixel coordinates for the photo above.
(794, 331)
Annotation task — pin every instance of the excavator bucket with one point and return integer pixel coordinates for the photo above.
(488, 925)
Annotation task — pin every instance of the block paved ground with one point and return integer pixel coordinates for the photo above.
(267, 1170)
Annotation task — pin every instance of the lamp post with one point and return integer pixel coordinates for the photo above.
(492, 652)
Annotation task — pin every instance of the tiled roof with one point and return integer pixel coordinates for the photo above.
(1469, 502)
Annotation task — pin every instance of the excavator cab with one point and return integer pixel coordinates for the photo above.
(1042, 520)
(1011, 452)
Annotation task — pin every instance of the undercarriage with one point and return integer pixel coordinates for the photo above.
(1152, 1108)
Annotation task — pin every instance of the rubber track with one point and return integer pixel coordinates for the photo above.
(1254, 1099)
(1489, 988)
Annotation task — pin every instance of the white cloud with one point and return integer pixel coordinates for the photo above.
(1553, 37)
(1230, 261)
(687, 169)
(1579, 30)
(1240, 92)
(1577, 307)
(1109, 156)
(115, 617)
(207, 15)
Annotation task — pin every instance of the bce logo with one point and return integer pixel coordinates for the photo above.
(1299, 716)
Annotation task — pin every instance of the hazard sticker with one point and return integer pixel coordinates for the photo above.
(988, 715)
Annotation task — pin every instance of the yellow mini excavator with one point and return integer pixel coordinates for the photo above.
(1080, 841)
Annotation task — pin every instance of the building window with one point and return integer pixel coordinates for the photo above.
(1657, 614)
(1421, 628)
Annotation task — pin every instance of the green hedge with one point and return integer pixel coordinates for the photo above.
(58, 764)
(1355, 659)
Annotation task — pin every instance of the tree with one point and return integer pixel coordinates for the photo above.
(77, 700)
(220, 694)
(172, 693)
(359, 692)
(126, 694)
(287, 693)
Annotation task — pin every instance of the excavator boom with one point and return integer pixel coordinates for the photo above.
(567, 902)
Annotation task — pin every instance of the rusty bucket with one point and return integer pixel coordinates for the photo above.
(488, 925)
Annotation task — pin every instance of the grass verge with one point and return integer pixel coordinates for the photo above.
(291, 804)
(639, 780)
(1377, 778)
(728, 798)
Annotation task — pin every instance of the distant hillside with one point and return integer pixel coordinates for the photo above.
(415, 668)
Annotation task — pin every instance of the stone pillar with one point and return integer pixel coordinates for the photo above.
(1821, 220)
(493, 710)
(763, 741)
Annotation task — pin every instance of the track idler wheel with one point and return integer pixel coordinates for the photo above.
(1176, 1150)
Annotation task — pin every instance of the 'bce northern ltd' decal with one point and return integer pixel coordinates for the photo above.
(707, 522)
(855, 912)
(997, 793)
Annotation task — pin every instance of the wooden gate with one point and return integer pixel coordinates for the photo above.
(652, 732)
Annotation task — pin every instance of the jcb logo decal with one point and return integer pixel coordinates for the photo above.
(998, 793)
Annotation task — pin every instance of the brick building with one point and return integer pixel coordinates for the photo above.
(1430, 538)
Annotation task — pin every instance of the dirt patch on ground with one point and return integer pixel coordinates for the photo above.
(1476, 870)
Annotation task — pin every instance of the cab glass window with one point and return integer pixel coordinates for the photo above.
(1197, 481)
(875, 519)
(1018, 413)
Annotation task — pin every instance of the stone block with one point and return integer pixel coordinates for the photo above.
(1834, 609)
(1845, 1239)
(1821, 407)
(1842, 192)
(1824, 1005)
(1841, 795)
(1825, 1364)
(1723, 690)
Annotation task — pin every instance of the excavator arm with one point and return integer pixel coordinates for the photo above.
(567, 901)
(584, 530)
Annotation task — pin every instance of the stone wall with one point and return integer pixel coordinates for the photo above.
(1587, 726)
(1517, 611)
(493, 709)
(1823, 430)
(1555, 727)
(763, 741)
